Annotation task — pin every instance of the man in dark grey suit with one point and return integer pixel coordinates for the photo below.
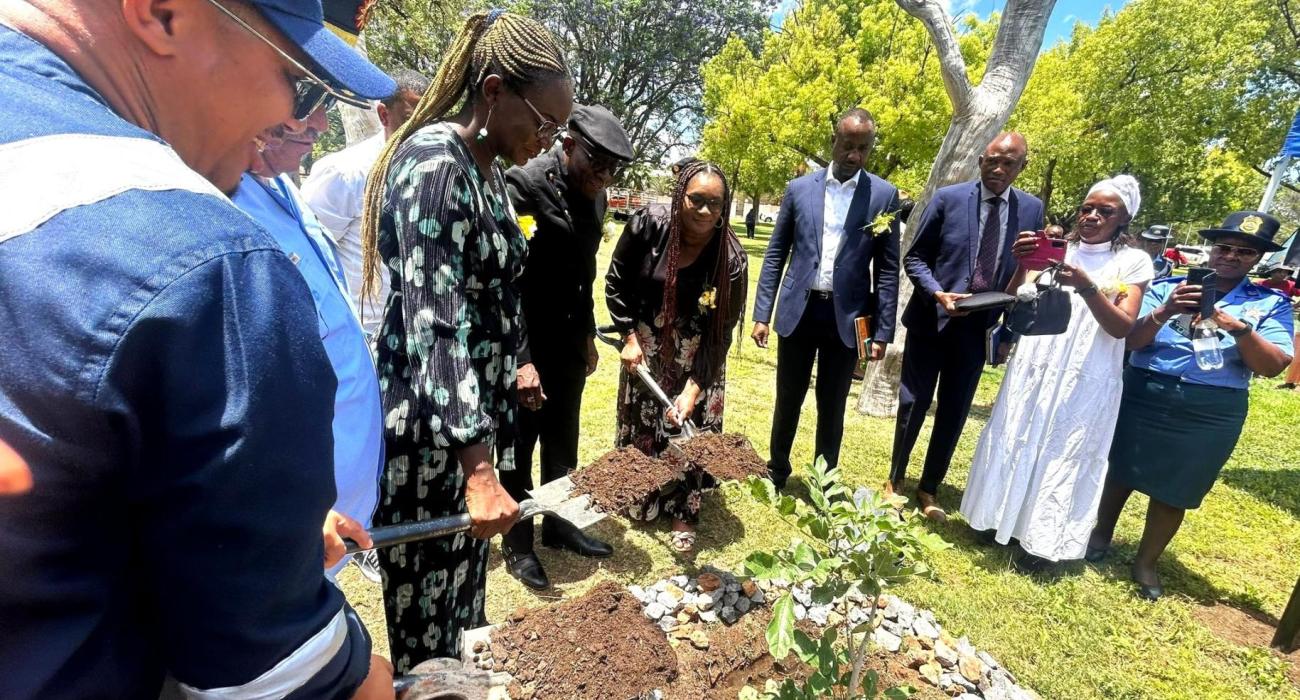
(962, 245)
(838, 230)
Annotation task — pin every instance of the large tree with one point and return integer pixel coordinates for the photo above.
(772, 111)
(642, 59)
(1190, 96)
(979, 111)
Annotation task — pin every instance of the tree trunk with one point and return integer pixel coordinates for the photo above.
(978, 114)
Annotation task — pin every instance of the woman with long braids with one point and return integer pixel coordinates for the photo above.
(675, 289)
(439, 218)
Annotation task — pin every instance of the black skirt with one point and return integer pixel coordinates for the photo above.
(1172, 439)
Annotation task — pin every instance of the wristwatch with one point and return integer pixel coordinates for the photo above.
(1242, 332)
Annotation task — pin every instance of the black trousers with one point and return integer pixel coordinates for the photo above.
(555, 426)
(749, 230)
(815, 338)
(952, 359)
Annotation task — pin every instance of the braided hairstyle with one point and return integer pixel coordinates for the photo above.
(721, 269)
(518, 49)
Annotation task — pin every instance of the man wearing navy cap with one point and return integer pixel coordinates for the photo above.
(1153, 240)
(564, 191)
(164, 378)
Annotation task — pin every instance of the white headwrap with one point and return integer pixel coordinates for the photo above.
(1126, 188)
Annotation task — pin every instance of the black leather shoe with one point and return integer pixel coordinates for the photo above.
(1147, 592)
(778, 480)
(1096, 555)
(528, 569)
(571, 539)
(1028, 563)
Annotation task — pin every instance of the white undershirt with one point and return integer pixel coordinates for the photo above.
(839, 195)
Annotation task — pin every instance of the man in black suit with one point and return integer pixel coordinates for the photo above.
(564, 191)
(962, 246)
(838, 230)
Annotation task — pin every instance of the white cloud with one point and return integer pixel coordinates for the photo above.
(1069, 19)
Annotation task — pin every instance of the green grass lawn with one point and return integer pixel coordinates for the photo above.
(1079, 634)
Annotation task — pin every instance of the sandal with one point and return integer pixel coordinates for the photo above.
(683, 541)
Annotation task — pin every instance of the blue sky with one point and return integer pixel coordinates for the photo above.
(1064, 15)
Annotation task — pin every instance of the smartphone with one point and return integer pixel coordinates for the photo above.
(1207, 280)
(1049, 251)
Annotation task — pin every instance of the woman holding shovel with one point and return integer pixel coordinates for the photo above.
(438, 217)
(675, 289)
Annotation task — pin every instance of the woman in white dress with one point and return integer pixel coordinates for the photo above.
(1041, 461)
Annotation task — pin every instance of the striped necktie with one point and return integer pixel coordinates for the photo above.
(986, 260)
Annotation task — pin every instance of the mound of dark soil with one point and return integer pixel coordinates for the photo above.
(725, 457)
(596, 647)
(622, 478)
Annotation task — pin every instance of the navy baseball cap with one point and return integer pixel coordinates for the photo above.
(303, 23)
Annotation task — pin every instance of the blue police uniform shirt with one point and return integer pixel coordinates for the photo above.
(358, 429)
(1170, 353)
(163, 376)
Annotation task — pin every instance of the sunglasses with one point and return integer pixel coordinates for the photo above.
(600, 164)
(1239, 251)
(699, 201)
(310, 93)
(547, 130)
(1102, 211)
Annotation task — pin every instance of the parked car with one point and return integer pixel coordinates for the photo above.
(1196, 255)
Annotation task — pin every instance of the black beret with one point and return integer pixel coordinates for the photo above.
(599, 127)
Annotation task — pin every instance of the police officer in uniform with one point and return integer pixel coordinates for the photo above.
(1154, 240)
(564, 192)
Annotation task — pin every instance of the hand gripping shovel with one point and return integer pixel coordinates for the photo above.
(688, 427)
(554, 498)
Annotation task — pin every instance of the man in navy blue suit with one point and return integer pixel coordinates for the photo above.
(838, 230)
(962, 245)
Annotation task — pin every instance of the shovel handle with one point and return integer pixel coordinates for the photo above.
(390, 535)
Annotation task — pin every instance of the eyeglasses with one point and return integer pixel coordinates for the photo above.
(309, 93)
(1239, 251)
(612, 167)
(547, 130)
(1102, 211)
(699, 201)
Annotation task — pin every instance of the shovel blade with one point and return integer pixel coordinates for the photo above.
(557, 498)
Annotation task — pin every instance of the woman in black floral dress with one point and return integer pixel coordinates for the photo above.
(448, 239)
(675, 290)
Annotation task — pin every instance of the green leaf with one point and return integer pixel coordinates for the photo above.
(780, 631)
(901, 692)
(805, 646)
(760, 565)
(804, 557)
(787, 506)
(762, 490)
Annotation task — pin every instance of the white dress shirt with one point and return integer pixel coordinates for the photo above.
(335, 191)
(839, 195)
(1003, 211)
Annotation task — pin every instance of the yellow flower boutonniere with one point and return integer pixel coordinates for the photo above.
(709, 299)
(881, 225)
(528, 225)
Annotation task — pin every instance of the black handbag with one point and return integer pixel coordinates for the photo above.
(1047, 313)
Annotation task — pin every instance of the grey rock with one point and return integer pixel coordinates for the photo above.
(969, 696)
(759, 597)
(857, 616)
(730, 598)
(709, 616)
(668, 623)
(742, 605)
(893, 627)
(819, 614)
(960, 680)
(802, 596)
(988, 660)
(965, 648)
(704, 601)
(925, 628)
(887, 640)
(638, 593)
(800, 612)
(680, 581)
(728, 615)
(928, 617)
(654, 611)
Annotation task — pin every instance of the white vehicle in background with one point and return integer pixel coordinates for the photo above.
(1196, 255)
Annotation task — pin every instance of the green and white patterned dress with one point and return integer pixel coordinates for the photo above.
(446, 360)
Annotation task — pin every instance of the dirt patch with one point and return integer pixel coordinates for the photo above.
(725, 457)
(622, 478)
(737, 656)
(1247, 628)
(597, 647)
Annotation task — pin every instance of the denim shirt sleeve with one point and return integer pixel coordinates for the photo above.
(222, 381)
